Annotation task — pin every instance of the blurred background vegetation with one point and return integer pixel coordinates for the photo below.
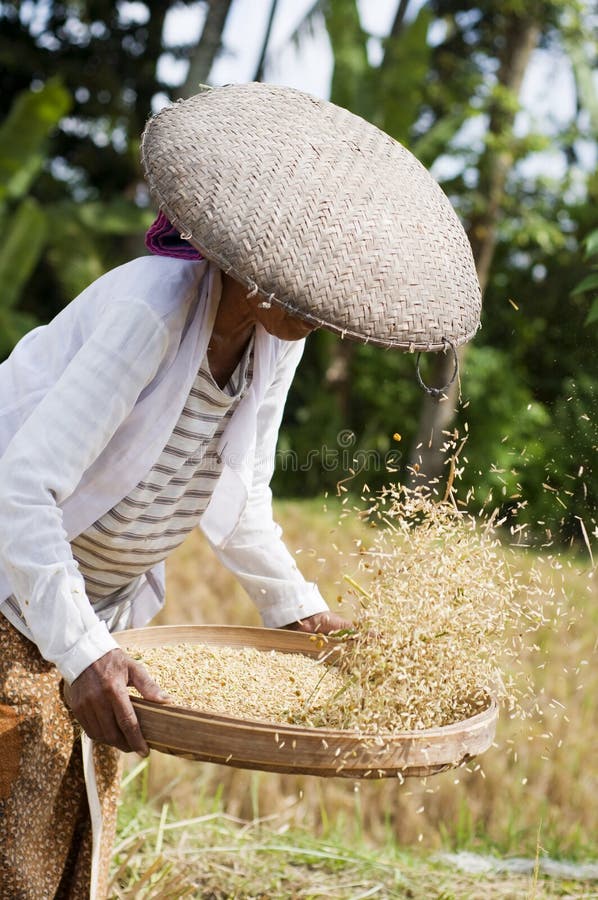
(79, 79)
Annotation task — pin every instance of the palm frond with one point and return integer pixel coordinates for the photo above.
(306, 28)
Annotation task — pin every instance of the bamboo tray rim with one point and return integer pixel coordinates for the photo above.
(479, 720)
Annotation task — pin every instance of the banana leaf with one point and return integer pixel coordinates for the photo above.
(24, 134)
(26, 233)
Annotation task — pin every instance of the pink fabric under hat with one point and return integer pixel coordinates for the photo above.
(163, 239)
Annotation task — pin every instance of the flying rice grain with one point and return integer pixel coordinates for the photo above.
(432, 599)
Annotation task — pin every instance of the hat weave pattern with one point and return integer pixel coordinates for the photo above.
(316, 210)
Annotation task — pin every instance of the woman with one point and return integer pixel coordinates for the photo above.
(152, 403)
(118, 368)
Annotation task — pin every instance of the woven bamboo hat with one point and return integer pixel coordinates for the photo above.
(316, 210)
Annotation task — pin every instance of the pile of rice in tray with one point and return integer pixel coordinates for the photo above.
(243, 682)
(431, 601)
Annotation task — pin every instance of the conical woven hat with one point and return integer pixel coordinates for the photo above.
(318, 211)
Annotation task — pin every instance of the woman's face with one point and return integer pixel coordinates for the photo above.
(276, 320)
(280, 323)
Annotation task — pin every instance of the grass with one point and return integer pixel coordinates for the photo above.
(214, 856)
(542, 775)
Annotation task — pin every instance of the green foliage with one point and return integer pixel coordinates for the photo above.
(26, 235)
(350, 87)
(507, 426)
(72, 143)
(535, 316)
(371, 90)
(529, 227)
(115, 216)
(406, 63)
(72, 252)
(572, 450)
(24, 136)
(23, 142)
(589, 284)
(64, 235)
(76, 245)
(533, 354)
(107, 55)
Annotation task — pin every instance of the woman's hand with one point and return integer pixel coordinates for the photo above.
(321, 623)
(100, 700)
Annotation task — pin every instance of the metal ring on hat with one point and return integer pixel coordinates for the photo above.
(437, 393)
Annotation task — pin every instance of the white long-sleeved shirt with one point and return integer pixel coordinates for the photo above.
(86, 405)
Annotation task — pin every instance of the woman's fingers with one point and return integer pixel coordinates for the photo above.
(100, 700)
(127, 723)
(321, 623)
(98, 720)
(140, 678)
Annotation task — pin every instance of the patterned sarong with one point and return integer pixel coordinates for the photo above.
(45, 827)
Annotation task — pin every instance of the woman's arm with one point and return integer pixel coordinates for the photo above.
(42, 466)
(255, 552)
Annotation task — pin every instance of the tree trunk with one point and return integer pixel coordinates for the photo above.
(147, 84)
(338, 378)
(259, 71)
(208, 47)
(399, 19)
(348, 76)
(436, 417)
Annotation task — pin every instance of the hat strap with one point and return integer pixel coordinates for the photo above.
(434, 392)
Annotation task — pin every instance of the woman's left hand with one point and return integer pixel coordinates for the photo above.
(321, 623)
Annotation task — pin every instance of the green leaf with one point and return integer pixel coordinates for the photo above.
(437, 139)
(591, 243)
(406, 63)
(20, 250)
(589, 283)
(593, 313)
(72, 251)
(349, 86)
(584, 77)
(118, 217)
(24, 133)
(13, 325)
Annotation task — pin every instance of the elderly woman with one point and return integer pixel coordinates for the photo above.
(152, 404)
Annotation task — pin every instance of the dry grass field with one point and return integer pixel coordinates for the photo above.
(536, 789)
(217, 857)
